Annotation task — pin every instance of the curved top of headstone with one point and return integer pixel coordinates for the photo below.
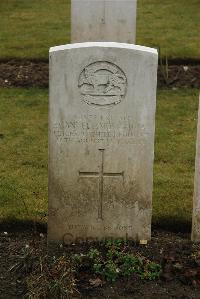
(103, 44)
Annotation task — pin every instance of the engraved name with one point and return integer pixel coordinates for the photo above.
(95, 129)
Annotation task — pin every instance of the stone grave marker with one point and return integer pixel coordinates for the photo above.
(103, 20)
(196, 200)
(101, 141)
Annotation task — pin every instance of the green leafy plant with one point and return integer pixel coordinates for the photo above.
(116, 262)
(151, 271)
(97, 267)
(93, 253)
(130, 264)
(111, 271)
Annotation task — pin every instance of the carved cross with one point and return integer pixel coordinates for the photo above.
(101, 175)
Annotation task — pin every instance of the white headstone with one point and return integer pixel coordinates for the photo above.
(101, 141)
(103, 20)
(196, 201)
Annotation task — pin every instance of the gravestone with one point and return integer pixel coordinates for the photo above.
(101, 141)
(103, 20)
(196, 200)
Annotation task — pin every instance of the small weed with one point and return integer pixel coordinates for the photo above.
(164, 66)
(26, 261)
(93, 253)
(151, 271)
(130, 264)
(52, 279)
(110, 271)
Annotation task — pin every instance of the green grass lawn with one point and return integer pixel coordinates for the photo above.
(29, 28)
(23, 159)
(174, 166)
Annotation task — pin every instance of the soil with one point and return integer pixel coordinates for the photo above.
(27, 73)
(179, 257)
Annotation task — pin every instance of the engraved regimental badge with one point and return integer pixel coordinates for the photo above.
(102, 83)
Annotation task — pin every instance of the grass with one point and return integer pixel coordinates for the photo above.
(175, 157)
(29, 28)
(171, 26)
(23, 159)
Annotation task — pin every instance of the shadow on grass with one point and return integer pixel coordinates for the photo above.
(166, 223)
(20, 226)
(171, 224)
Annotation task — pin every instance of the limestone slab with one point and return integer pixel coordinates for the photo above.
(196, 200)
(103, 20)
(101, 141)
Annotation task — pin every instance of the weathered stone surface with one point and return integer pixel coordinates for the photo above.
(101, 141)
(196, 200)
(103, 20)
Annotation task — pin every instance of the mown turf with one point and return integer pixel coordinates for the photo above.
(175, 157)
(23, 159)
(29, 28)
(171, 26)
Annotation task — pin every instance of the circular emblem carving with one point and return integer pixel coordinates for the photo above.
(102, 83)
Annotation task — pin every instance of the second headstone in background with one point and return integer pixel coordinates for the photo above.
(103, 20)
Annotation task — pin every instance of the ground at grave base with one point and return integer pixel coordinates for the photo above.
(179, 257)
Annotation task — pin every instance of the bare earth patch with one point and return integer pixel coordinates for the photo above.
(27, 73)
(179, 257)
